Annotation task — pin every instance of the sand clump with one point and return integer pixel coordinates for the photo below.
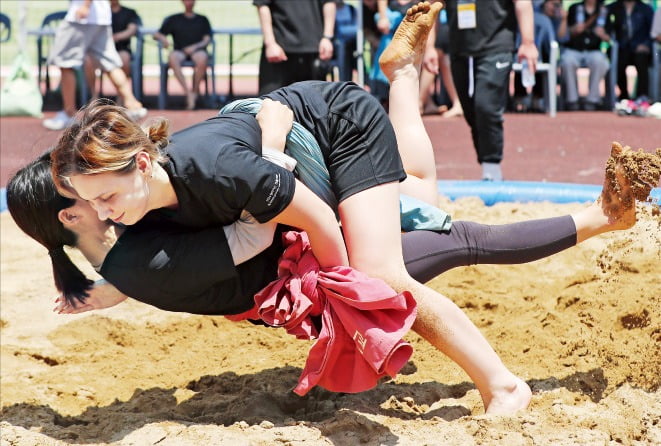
(581, 327)
(642, 171)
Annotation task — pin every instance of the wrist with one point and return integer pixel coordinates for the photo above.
(328, 36)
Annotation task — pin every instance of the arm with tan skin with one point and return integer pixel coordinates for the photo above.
(163, 39)
(326, 44)
(311, 214)
(306, 211)
(274, 52)
(84, 10)
(527, 50)
(384, 23)
(190, 49)
(130, 31)
(103, 295)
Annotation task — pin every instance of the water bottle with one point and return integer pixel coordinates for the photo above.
(580, 13)
(527, 77)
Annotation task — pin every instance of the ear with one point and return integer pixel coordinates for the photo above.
(68, 218)
(143, 163)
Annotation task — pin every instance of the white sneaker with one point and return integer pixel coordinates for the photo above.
(137, 113)
(59, 122)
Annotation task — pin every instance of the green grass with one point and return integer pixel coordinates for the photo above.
(221, 13)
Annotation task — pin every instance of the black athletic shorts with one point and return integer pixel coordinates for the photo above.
(353, 130)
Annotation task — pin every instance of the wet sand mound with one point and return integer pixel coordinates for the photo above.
(581, 327)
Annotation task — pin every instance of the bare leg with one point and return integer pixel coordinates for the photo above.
(439, 320)
(176, 57)
(201, 58)
(448, 81)
(68, 89)
(123, 86)
(401, 63)
(90, 66)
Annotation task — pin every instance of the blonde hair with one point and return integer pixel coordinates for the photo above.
(105, 139)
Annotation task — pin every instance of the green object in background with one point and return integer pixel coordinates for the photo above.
(20, 95)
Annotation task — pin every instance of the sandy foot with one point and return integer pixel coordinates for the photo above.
(408, 43)
(630, 177)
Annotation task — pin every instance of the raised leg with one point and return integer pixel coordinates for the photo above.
(439, 320)
(401, 64)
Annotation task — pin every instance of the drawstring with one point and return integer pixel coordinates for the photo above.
(471, 78)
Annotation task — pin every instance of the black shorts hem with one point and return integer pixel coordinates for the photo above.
(368, 183)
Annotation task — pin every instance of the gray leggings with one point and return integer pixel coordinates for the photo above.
(429, 253)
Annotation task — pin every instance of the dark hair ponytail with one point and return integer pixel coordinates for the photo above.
(34, 202)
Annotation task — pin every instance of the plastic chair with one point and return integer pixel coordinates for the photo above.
(5, 28)
(44, 41)
(546, 44)
(165, 69)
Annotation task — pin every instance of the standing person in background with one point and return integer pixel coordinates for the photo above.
(586, 32)
(125, 23)
(631, 22)
(550, 24)
(436, 61)
(191, 33)
(482, 41)
(298, 38)
(86, 29)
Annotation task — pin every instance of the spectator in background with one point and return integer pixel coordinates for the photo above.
(191, 33)
(125, 23)
(558, 15)
(85, 29)
(631, 23)
(298, 41)
(370, 30)
(482, 41)
(551, 24)
(437, 61)
(586, 32)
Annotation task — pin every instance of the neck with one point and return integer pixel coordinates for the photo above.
(162, 194)
(95, 246)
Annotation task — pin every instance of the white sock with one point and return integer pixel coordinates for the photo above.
(492, 172)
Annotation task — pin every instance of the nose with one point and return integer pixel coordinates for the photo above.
(104, 211)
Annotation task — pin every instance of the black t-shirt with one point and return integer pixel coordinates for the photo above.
(185, 30)
(495, 32)
(176, 269)
(120, 21)
(298, 26)
(587, 40)
(217, 170)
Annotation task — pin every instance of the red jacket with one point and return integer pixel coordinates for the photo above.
(363, 319)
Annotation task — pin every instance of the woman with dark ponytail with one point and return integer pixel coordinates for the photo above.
(35, 204)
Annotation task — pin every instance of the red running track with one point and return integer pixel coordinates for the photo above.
(571, 147)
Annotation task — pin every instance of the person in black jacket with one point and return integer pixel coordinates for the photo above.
(482, 44)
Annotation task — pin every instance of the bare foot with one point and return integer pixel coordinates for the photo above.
(630, 176)
(455, 111)
(408, 42)
(510, 399)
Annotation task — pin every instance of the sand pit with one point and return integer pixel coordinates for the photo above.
(583, 328)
